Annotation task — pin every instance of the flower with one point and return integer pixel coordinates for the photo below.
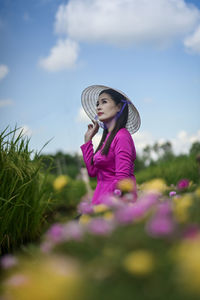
(183, 184)
(100, 208)
(73, 230)
(156, 185)
(172, 193)
(46, 277)
(8, 261)
(160, 226)
(60, 182)
(139, 262)
(108, 215)
(181, 207)
(55, 233)
(117, 192)
(85, 207)
(84, 219)
(100, 226)
(187, 258)
(126, 185)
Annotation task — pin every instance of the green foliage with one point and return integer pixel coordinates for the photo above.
(171, 170)
(23, 193)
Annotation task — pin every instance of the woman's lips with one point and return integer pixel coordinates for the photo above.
(99, 114)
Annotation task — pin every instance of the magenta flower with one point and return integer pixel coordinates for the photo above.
(183, 184)
(164, 209)
(85, 207)
(160, 226)
(100, 226)
(172, 193)
(8, 261)
(73, 230)
(55, 233)
(125, 214)
(191, 231)
(117, 192)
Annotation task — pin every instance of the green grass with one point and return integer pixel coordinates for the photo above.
(23, 193)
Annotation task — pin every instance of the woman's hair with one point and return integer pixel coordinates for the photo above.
(120, 122)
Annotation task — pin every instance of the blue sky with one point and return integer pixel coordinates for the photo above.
(51, 50)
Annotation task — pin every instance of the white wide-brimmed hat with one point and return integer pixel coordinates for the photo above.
(90, 96)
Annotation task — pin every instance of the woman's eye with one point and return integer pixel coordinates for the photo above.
(104, 101)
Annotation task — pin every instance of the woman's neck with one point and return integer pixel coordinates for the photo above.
(110, 124)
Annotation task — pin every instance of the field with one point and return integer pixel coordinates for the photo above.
(146, 249)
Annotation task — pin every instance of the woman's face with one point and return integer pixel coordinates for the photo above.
(106, 107)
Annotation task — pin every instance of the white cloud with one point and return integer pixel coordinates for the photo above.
(181, 143)
(3, 71)
(82, 116)
(6, 102)
(121, 22)
(192, 42)
(62, 56)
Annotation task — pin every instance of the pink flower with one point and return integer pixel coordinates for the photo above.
(117, 192)
(55, 233)
(191, 231)
(85, 207)
(164, 209)
(183, 184)
(160, 226)
(125, 214)
(100, 226)
(73, 230)
(8, 261)
(172, 193)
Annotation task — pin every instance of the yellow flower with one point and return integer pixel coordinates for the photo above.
(155, 185)
(84, 219)
(181, 207)
(140, 262)
(108, 215)
(126, 185)
(60, 182)
(197, 192)
(187, 257)
(46, 278)
(100, 208)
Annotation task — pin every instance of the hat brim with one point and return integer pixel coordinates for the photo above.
(90, 96)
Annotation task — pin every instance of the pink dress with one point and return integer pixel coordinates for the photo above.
(118, 164)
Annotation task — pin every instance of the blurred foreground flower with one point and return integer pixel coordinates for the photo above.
(181, 207)
(156, 185)
(187, 257)
(46, 278)
(60, 182)
(126, 185)
(100, 226)
(140, 262)
(8, 261)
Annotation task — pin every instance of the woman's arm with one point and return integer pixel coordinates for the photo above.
(88, 152)
(125, 155)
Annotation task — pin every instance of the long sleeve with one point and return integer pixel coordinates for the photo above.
(88, 152)
(125, 155)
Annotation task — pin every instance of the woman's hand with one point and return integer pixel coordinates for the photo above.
(92, 130)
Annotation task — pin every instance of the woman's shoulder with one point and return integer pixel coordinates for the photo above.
(123, 132)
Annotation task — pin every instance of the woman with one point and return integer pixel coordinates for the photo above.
(114, 158)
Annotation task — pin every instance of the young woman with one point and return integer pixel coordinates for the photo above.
(114, 157)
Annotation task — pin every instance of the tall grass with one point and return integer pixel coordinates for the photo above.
(23, 193)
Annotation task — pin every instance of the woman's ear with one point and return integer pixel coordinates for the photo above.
(119, 105)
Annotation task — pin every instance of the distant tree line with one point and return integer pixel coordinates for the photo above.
(62, 163)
